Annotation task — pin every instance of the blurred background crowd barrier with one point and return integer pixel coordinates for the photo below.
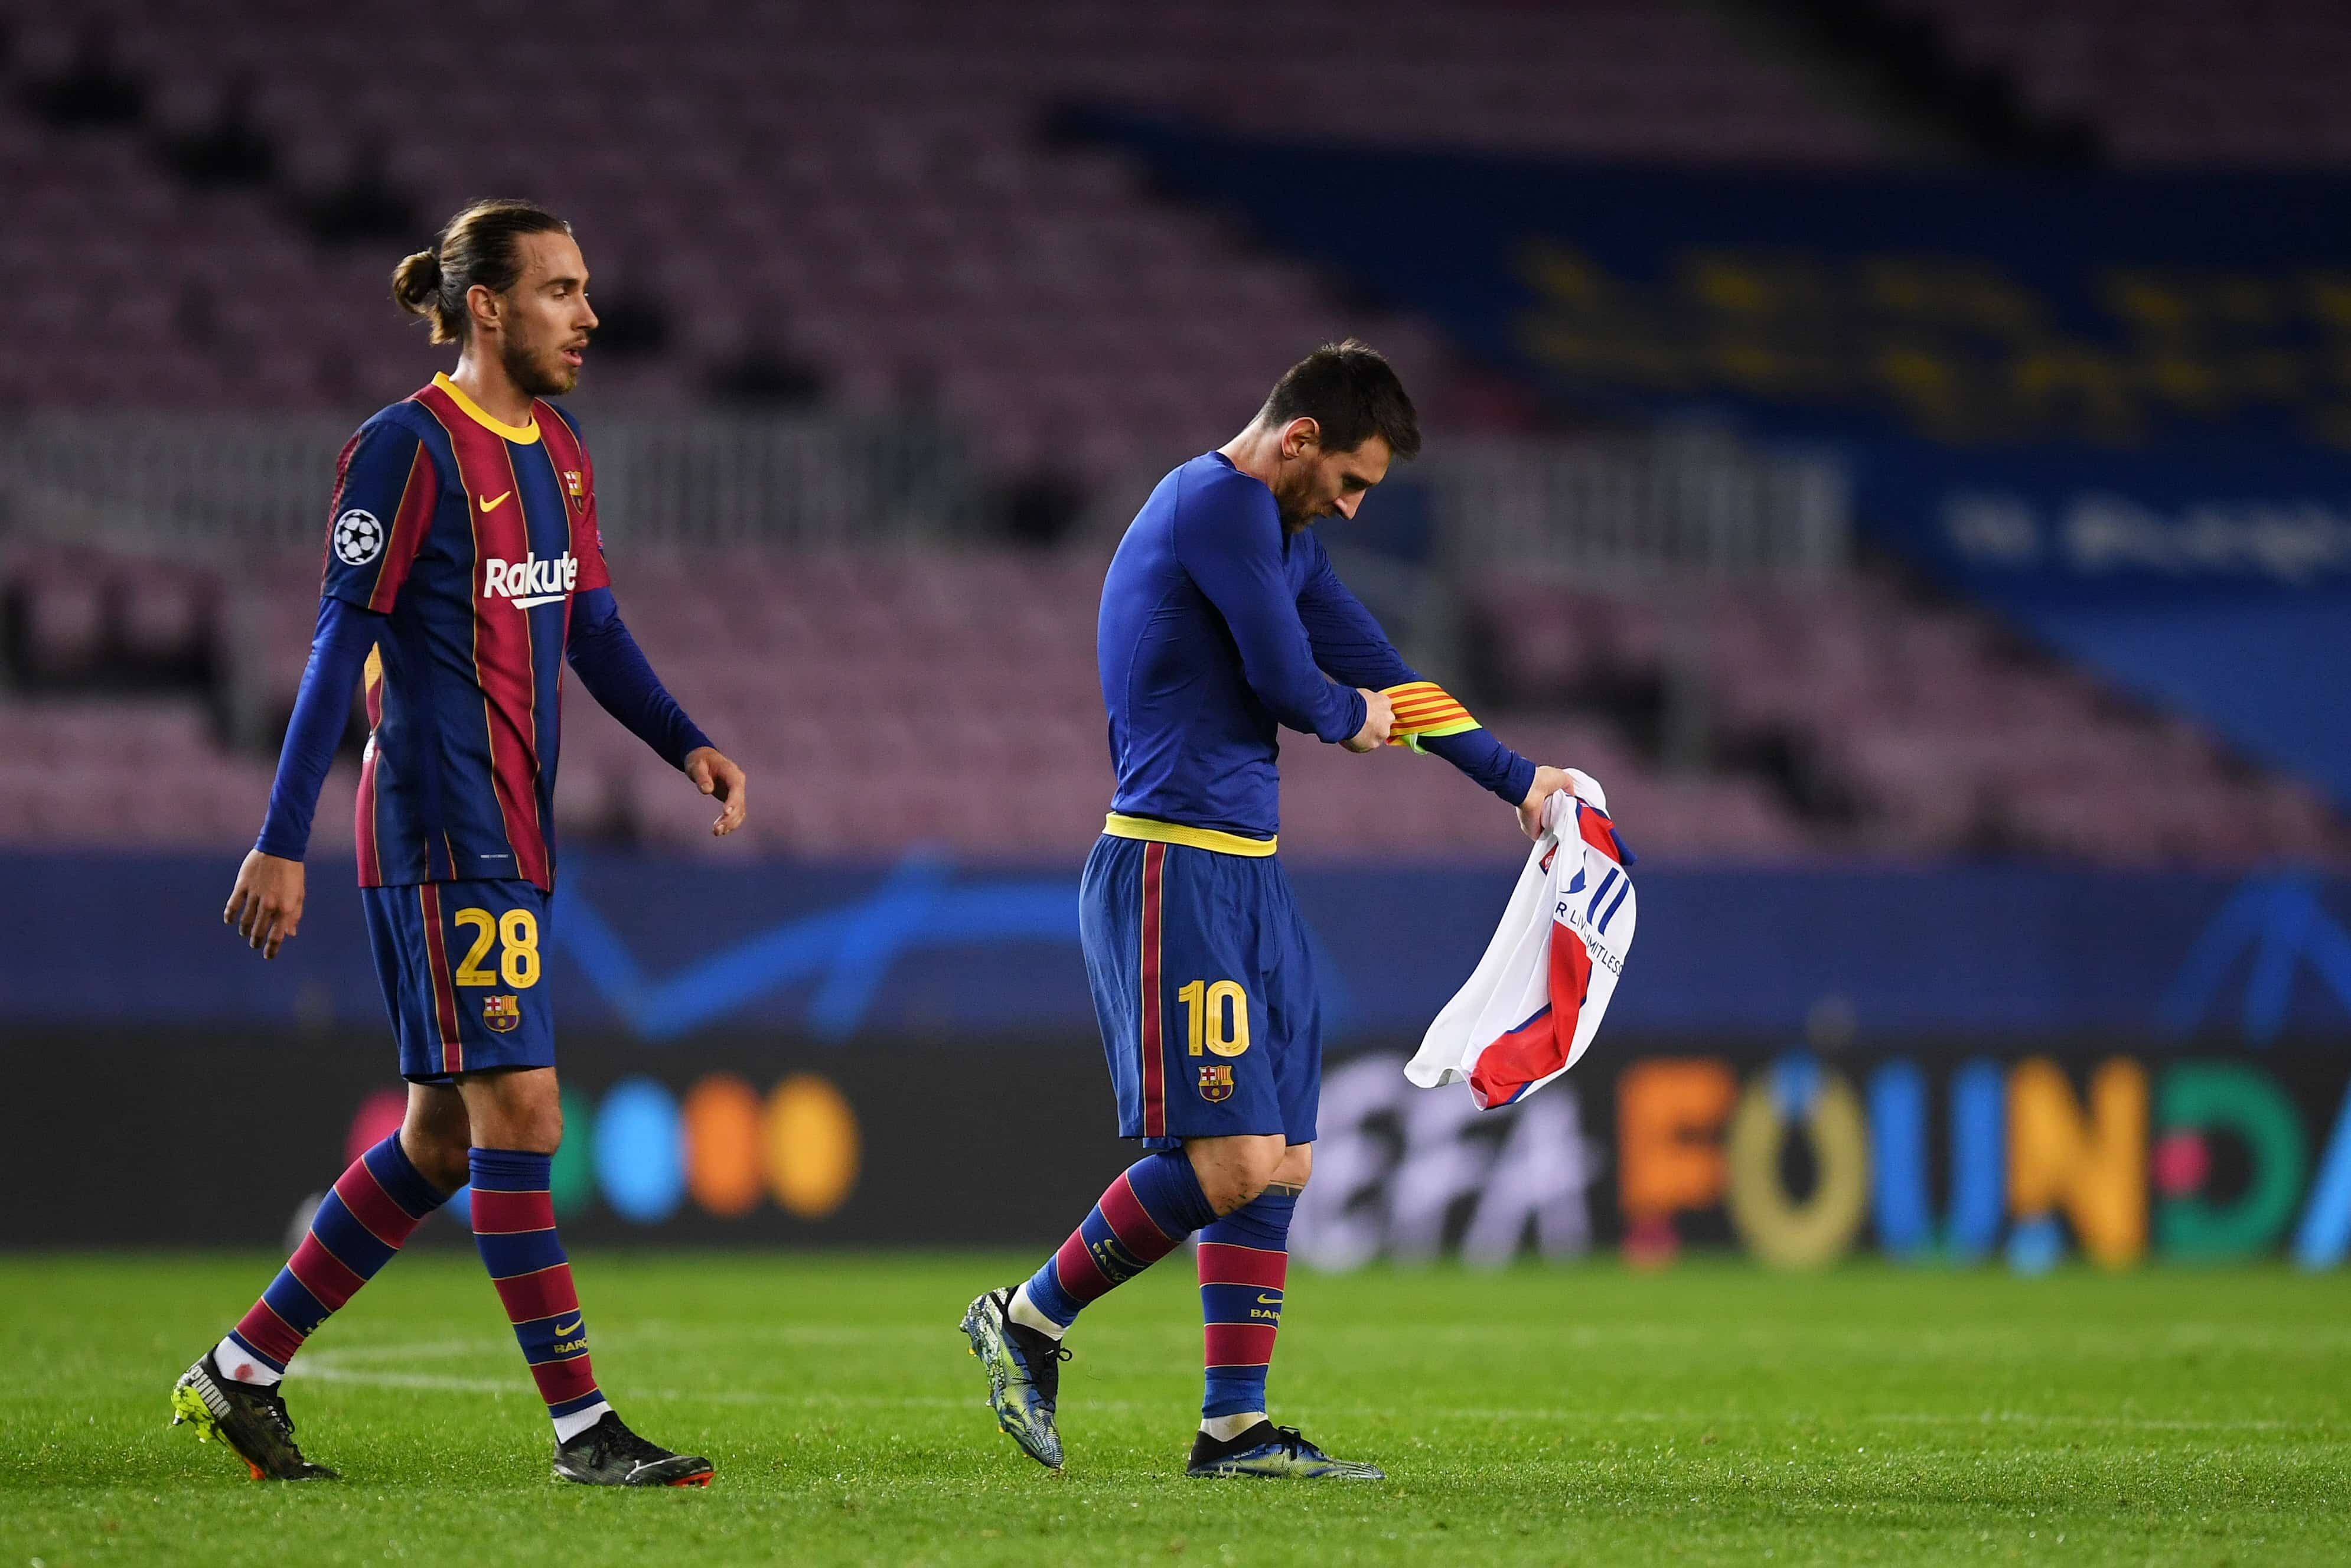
(1902, 447)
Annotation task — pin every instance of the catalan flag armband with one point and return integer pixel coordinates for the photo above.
(1423, 710)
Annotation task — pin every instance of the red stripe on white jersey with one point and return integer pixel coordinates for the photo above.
(1538, 1047)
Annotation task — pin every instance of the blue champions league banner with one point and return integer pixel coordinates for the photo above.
(658, 951)
(2118, 407)
(2013, 1066)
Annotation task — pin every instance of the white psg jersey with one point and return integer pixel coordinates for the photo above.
(1536, 1000)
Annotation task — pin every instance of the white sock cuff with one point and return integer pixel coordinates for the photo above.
(242, 1366)
(569, 1427)
(1225, 1428)
(1024, 1311)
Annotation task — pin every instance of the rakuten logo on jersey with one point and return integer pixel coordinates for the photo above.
(529, 580)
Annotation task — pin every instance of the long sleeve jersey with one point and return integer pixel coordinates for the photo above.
(1217, 629)
(465, 563)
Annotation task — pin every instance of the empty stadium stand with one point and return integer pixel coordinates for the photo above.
(862, 190)
(2174, 82)
(865, 206)
(866, 690)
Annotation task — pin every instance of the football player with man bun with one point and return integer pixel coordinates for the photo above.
(464, 568)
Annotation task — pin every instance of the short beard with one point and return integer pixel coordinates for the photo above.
(1294, 518)
(533, 379)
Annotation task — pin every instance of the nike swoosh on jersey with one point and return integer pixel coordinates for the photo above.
(571, 1327)
(1264, 1299)
(494, 505)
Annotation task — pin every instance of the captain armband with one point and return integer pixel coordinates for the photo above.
(1424, 711)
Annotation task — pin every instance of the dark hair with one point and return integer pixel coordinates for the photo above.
(477, 246)
(1352, 392)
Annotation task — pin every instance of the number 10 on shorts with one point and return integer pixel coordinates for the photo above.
(1215, 1016)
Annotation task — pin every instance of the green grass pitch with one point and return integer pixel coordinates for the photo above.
(1711, 1413)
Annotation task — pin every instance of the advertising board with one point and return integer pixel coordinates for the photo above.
(2118, 1152)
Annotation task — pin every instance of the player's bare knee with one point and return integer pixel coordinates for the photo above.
(1233, 1171)
(543, 1122)
(439, 1159)
(441, 1153)
(535, 1129)
(519, 1109)
(435, 1135)
(1297, 1165)
(1236, 1192)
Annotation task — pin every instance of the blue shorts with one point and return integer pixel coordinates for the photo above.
(461, 963)
(1204, 986)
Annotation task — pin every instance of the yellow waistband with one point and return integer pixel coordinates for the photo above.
(1158, 833)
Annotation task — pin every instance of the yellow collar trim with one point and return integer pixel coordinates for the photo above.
(521, 434)
(1158, 833)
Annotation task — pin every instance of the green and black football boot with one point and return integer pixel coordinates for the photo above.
(250, 1419)
(1024, 1374)
(1276, 1453)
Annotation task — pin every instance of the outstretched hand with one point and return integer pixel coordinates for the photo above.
(266, 906)
(1548, 781)
(715, 775)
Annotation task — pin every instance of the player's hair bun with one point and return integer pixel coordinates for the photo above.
(479, 246)
(416, 282)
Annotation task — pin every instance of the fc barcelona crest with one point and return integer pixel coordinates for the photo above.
(575, 485)
(1216, 1081)
(501, 1015)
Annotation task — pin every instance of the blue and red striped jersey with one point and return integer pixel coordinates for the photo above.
(471, 536)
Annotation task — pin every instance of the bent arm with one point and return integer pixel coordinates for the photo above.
(1238, 564)
(322, 707)
(618, 676)
(1349, 645)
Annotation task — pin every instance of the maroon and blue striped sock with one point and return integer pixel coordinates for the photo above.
(1148, 1211)
(1244, 1260)
(514, 1227)
(374, 1207)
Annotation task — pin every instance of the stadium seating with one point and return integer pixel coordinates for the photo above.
(1948, 736)
(2175, 81)
(138, 773)
(861, 188)
(881, 697)
(864, 190)
(870, 191)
